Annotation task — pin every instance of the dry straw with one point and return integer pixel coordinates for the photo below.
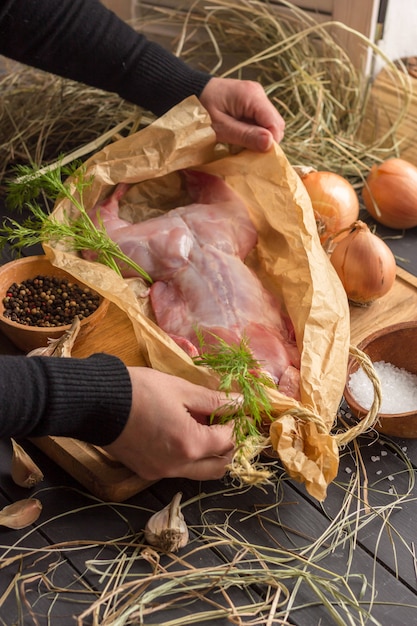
(220, 575)
(305, 72)
(322, 97)
(43, 116)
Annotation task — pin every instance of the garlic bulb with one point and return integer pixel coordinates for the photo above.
(25, 472)
(62, 346)
(21, 513)
(167, 529)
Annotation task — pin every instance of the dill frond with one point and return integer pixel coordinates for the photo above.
(79, 234)
(239, 371)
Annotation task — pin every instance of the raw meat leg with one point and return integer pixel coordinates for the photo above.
(221, 296)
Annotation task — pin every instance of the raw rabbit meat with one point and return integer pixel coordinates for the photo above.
(195, 255)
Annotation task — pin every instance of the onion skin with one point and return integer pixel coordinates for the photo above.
(390, 193)
(365, 265)
(334, 200)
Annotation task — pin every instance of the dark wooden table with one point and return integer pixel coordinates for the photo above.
(269, 555)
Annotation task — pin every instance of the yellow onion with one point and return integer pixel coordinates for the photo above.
(390, 193)
(365, 265)
(334, 200)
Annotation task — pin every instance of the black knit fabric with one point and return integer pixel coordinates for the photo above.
(84, 41)
(88, 399)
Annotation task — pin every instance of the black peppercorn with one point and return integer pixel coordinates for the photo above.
(46, 301)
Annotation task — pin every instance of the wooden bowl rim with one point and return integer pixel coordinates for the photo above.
(386, 330)
(28, 260)
(350, 400)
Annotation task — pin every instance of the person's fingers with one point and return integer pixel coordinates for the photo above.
(209, 454)
(242, 114)
(211, 468)
(170, 434)
(266, 116)
(204, 403)
(195, 440)
(244, 134)
(199, 452)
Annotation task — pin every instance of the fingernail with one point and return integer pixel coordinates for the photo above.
(264, 142)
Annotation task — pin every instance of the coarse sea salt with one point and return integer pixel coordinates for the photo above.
(398, 387)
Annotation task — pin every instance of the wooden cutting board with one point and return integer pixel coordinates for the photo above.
(90, 465)
(399, 305)
(108, 479)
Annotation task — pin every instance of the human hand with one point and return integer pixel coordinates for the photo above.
(167, 433)
(242, 114)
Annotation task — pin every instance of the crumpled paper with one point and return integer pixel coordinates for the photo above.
(289, 260)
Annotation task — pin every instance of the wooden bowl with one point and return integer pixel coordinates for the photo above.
(396, 344)
(27, 338)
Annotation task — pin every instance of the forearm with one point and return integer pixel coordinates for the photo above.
(88, 399)
(84, 41)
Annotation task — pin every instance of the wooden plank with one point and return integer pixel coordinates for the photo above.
(122, 343)
(110, 480)
(361, 16)
(91, 466)
(316, 7)
(386, 473)
(19, 603)
(398, 305)
(291, 521)
(391, 112)
(73, 519)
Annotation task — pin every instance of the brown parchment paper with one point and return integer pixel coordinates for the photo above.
(289, 260)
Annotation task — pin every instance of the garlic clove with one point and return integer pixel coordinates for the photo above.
(24, 470)
(167, 529)
(62, 346)
(47, 350)
(21, 513)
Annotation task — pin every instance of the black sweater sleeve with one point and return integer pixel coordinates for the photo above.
(84, 41)
(88, 399)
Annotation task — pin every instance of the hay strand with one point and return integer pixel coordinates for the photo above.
(303, 69)
(305, 72)
(43, 117)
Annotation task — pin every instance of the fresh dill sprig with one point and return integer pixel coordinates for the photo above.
(31, 181)
(239, 371)
(41, 227)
